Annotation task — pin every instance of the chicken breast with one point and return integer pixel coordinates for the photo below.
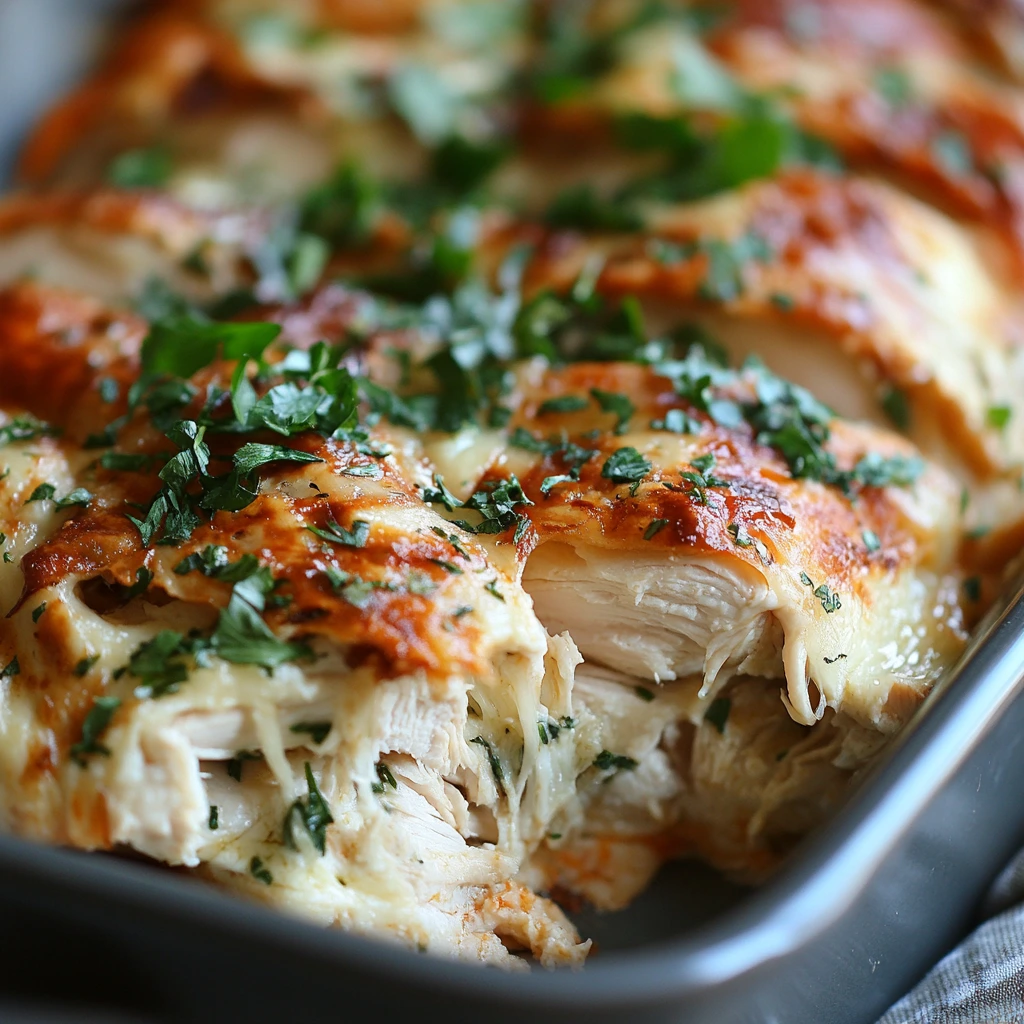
(668, 524)
(456, 456)
(228, 102)
(386, 674)
(823, 280)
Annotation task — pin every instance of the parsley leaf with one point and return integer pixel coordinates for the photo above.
(384, 778)
(79, 496)
(140, 168)
(998, 416)
(312, 813)
(607, 761)
(654, 527)
(354, 589)
(616, 403)
(717, 713)
(497, 503)
(259, 872)
(317, 731)
(95, 724)
(24, 428)
(213, 561)
(156, 666)
(626, 465)
(252, 455)
(829, 600)
(562, 403)
(242, 637)
(894, 86)
(344, 209)
(337, 534)
(896, 406)
(493, 760)
(579, 206)
(424, 101)
(44, 492)
(180, 346)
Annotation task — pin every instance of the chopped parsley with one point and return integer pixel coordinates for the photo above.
(24, 428)
(717, 713)
(829, 600)
(38, 611)
(317, 731)
(251, 456)
(449, 567)
(972, 588)
(952, 152)
(85, 665)
(573, 456)
(213, 822)
(312, 813)
(654, 527)
(998, 416)
(44, 492)
(676, 421)
(420, 583)
(156, 664)
(125, 461)
(234, 764)
(384, 778)
(241, 636)
(739, 535)
(493, 760)
(644, 694)
(607, 761)
(616, 403)
(95, 724)
(894, 86)
(143, 578)
(563, 403)
(141, 168)
(259, 872)
(354, 589)
(498, 503)
(356, 537)
(697, 481)
(580, 206)
(871, 541)
(79, 496)
(550, 729)
(625, 465)
(896, 406)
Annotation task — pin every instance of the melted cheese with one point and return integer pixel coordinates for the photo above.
(645, 668)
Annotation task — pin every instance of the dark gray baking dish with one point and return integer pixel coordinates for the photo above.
(855, 918)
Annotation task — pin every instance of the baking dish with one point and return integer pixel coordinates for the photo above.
(858, 914)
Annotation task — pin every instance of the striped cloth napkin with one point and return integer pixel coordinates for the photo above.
(982, 980)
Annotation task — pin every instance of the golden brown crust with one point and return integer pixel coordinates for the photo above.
(55, 349)
(168, 64)
(757, 497)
